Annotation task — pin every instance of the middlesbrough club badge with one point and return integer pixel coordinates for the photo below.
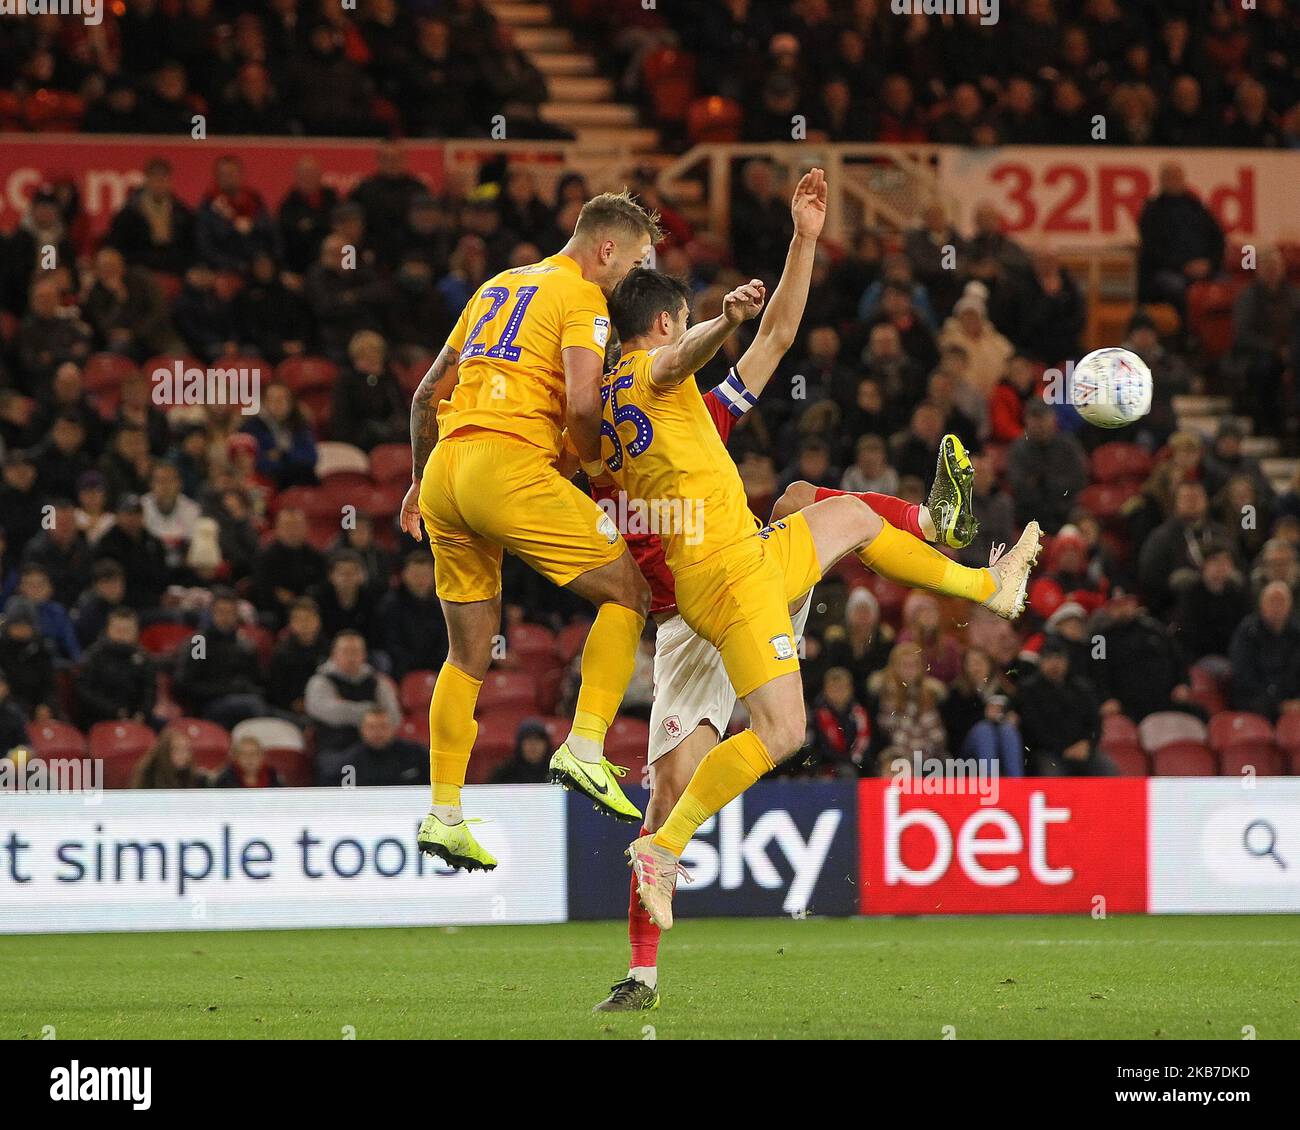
(673, 726)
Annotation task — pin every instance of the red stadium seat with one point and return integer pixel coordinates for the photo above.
(1184, 759)
(1293, 762)
(1167, 727)
(56, 739)
(391, 463)
(120, 745)
(532, 643)
(1115, 462)
(569, 640)
(415, 728)
(262, 639)
(1105, 501)
(167, 362)
(209, 742)
(714, 119)
(54, 111)
(162, 639)
(509, 690)
(1262, 757)
(1237, 727)
(628, 743)
(1119, 730)
(107, 371)
(303, 373)
(1209, 688)
(416, 691)
(1288, 732)
(1130, 760)
(1209, 314)
(315, 502)
(295, 766)
(550, 684)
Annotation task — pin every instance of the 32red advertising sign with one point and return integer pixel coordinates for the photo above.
(1036, 846)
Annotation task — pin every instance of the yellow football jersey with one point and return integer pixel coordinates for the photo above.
(663, 448)
(509, 337)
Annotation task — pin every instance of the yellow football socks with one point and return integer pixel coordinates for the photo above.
(727, 770)
(910, 561)
(452, 730)
(607, 662)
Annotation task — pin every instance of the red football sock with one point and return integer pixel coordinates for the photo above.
(641, 932)
(905, 516)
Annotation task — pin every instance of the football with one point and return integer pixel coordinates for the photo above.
(1111, 388)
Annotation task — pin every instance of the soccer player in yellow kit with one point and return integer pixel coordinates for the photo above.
(522, 365)
(735, 581)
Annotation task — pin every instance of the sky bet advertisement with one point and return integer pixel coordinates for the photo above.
(206, 860)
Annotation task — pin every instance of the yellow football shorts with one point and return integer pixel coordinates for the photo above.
(739, 600)
(487, 492)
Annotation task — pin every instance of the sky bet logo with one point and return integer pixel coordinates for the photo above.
(75, 1083)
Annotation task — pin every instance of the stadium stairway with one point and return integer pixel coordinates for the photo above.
(1202, 414)
(581, 98)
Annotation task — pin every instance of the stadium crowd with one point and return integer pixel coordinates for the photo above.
(243, 573)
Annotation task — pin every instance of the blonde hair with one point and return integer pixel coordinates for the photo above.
(617, 212)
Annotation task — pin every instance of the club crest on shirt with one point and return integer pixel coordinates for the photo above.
(673, 726)
(782, 646)
(605, 526)
(600, 332)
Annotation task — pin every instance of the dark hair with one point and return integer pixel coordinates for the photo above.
(641, 297)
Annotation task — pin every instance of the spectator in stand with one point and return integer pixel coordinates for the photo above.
(42, 225)
(169, 764)
(1143, 669)
(141, 556)
(343, 690)
(898, 308)
(155, 228)
(331, 94)
(26, 660)
(896, 375)
(468, 269)
(529, 764)
(1225, 461)
(941, 391)
(385, 198)
(1170, 376)
(116, 680)
(1264, 321)
(997, 514)
(1059, 719)
(233, 225)
(127, 466)
(301, 650)
(204, 317)
(247, 768)
(906, 704)
(304, 216)
(1277, 562)
(125, 307)
(862, 644)
(1265, 656)
(1053, 314)
(1007, 401)
(934, 250)
(52, 619)
(1250, 124)
(411, 631)
(1180, 241)
(21, 507)
(107, 592)
(61, 553)
(987, 351)
(380, 757)
(912, 451)
(369, 405)
(13, 725)
(217, 676)
(760, 220)
(922, 625)
(870, 470)
(1171, 557)
(286, 567)
(1045, 470)
(344, 599)
(1209, 610)
(340, 294)
(978, 718)
(271, 319)
(1186, 122)
(165, 105)
(841, 729)
(168, 514)
(826, 374)
(416, 318)
(50, 335)
(898, 119)
(286, 448)
(251, 104)
(136, 409)
(94, 516)
(63, 459)
(439, 85)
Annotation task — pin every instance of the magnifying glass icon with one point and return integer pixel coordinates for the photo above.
(1260, 840)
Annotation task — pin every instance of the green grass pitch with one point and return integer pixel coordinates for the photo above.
(1022, 977)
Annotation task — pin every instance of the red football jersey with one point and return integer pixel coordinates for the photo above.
(726, 404)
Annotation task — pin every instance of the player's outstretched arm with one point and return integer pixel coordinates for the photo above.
(780, 324)
(434, 387)
(674, 363)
